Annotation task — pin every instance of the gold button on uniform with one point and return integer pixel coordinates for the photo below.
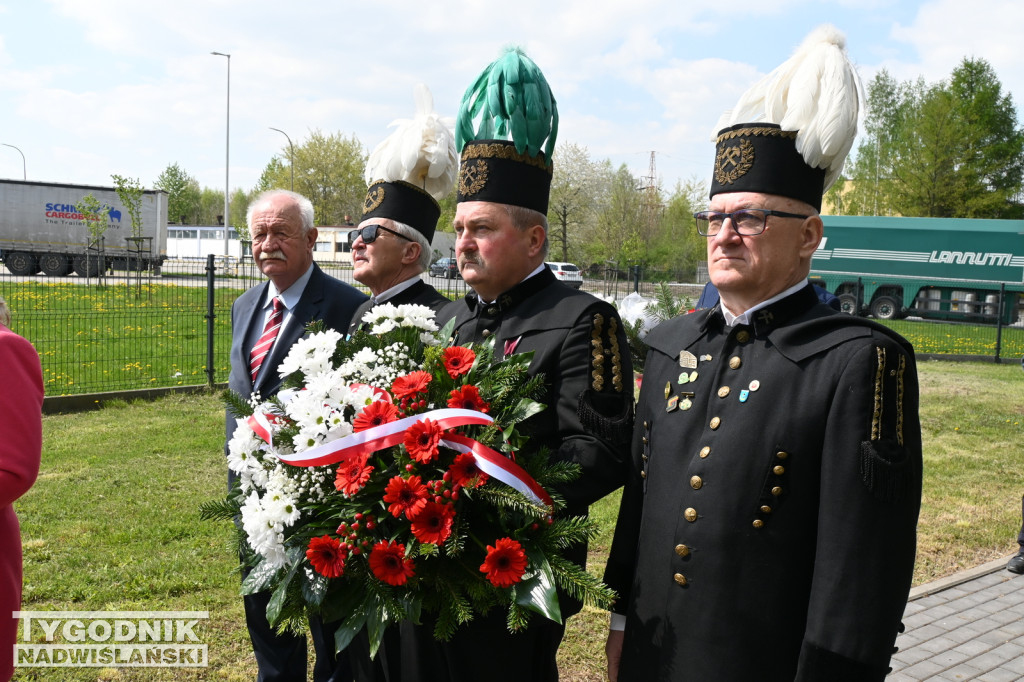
(758, 523)
(715, 422)
(644, 439)
(778, 470)
(643, 474)
(679, 578)
(682, 551)
(765, 509)
(644, 457)
(776, 491)
(705, 451)
(690, 514)
(735, 362)
(723, 391)
(696, 482)
(782, 454)
(743, 336)
(485, 333)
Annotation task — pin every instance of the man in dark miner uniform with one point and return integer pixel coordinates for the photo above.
(578, 345)
(767, 529)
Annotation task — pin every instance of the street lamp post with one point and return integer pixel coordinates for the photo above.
(291, 154)
(227, 158)
(24, 175)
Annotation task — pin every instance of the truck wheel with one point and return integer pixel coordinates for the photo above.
(885, 308)
(54, 264)
(848, 304)
(21, 263)
(86, 266)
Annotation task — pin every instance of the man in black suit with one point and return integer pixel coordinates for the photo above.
(391, 247)
(281, 227)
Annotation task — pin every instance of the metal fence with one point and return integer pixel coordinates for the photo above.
(137, 330)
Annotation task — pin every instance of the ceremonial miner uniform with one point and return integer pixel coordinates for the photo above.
(784, 457)
(581, 350)
(577, 343)
(768, 527)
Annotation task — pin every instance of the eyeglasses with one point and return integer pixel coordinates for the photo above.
(746, 221)
(370, 234)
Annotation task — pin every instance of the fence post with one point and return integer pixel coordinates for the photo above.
(636, 279)
(210, 317)
(999, 320)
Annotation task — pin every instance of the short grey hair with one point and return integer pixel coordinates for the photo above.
(415, 235)
(305, 207)
(5, 313)
(524, 218)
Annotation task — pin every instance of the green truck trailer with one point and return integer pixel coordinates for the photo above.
(933, 268)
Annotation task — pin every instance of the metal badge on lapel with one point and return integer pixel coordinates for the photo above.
(687, 359)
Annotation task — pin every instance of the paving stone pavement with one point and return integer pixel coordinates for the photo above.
(966, 627)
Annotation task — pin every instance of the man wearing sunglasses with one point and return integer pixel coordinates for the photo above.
(391, 247)
(767, 528)
(265, 322)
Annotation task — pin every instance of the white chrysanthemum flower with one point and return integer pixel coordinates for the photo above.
(243, 449)
(418, 316)
(383, 326)
(312, 354)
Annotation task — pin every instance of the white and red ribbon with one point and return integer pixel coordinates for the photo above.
(492, 463)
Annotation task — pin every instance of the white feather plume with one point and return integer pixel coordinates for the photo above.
(815, 92)
(420, 151)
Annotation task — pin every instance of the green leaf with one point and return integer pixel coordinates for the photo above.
(538, 592)
(375, 626)
(259, 578)
(314, 586)
(344, 635)
(277, 599)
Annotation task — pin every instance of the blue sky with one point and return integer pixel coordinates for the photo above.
(89, 89)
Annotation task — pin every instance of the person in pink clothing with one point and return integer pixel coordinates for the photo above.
(21, 441)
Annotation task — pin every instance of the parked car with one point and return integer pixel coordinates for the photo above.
(568, 273)
(445, 267)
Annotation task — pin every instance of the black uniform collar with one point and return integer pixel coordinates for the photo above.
(514, 296)
(770, 317)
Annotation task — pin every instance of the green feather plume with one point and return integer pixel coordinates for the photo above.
(510, 100)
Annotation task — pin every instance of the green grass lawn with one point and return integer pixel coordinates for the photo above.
(116, 337)
(113, 524)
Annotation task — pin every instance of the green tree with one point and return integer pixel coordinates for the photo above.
(992, 149)
(616, 233)
(183, 195)
(328, 171)
(951, 149)
(96, 218)
(574, 189)
(129, 191)
(211, 207)
(676, 246)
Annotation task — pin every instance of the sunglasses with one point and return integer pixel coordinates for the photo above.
(370, 234)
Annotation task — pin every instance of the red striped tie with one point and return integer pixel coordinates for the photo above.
(266, 342)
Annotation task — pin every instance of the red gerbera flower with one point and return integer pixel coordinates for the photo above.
(505, 562)
(465, 473)
(376, 413)
(411, 384)
(433, 524)
(326, 556)
(405, 495)
(352, 475)
(468, 398)
(421, 440)
(458, 360)
(389, 563)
